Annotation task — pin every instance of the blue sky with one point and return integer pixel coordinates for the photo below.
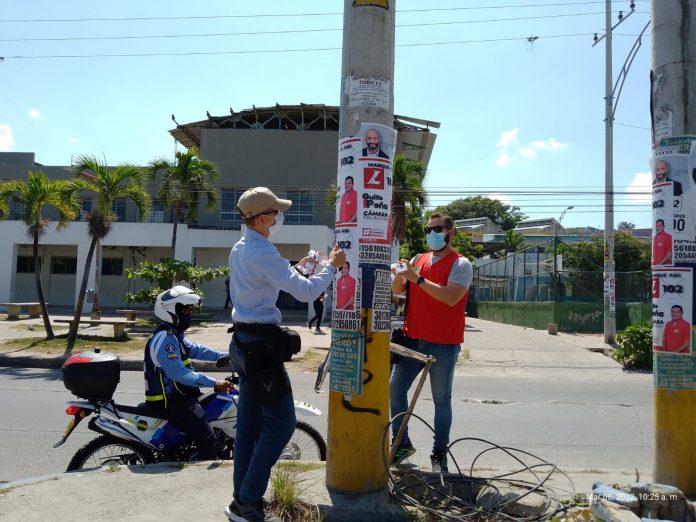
(516, 116)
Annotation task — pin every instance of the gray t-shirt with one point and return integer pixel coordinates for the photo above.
(461, 273)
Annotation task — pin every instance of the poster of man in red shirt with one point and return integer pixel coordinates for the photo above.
(662, 245)
(345, 289)
(348, 212)
(676, 335)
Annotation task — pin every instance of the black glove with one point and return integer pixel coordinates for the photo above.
(223, 362)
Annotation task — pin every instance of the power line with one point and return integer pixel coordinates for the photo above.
(281, 15)
(285, 31)
(275, 51)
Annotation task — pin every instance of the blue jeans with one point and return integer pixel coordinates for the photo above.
(441, 375)
(263, 431)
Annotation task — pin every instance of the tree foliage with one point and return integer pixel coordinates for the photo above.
(183, 184)
(630, 255)
(505, 216)
(124, 182)
(170, 273)
(34, 194)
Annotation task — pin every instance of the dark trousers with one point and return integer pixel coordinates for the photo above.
(318, 313)
(188, 416)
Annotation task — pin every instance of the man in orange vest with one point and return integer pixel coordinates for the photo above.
(437, 283)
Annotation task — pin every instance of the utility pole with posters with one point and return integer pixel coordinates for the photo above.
(673, 111)
(359, 378)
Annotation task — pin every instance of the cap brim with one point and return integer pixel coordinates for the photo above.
(282, 205)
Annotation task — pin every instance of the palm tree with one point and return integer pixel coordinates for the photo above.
(183, 183)
(109, 184)
(34, 194)
(408, 194)
(513, 241)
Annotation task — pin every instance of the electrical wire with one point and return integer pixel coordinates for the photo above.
(458, 496)
(285, 15)
(285, 31)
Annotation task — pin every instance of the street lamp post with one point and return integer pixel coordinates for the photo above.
(555, 252)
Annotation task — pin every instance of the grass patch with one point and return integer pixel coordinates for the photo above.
(296, 466)
(285, 500)
(311, 360)
(58, 345)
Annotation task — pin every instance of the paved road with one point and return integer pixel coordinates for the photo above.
(577, 425)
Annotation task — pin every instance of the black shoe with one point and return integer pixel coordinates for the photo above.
(405, 451)
(309, 325)
(238, 512)
(318, 331)
(439, 461)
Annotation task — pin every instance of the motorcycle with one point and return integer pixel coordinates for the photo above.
(136, 435)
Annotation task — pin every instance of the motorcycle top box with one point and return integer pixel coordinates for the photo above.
(92, 375)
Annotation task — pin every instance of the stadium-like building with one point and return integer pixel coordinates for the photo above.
(290, 148)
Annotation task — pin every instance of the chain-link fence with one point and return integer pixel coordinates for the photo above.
(534, 275)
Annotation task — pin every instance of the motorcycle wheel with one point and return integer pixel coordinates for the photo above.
(306, 444)
(109, 451)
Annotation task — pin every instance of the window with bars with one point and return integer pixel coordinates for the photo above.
(302, 210)
(25, 264)
(16, 209)
(112, 266)
(63, 265)
(118, 207)
(228, 206)
(85, 208)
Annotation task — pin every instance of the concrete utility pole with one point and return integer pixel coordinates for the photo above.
(673, 111)
(609, 270)
(359, 396)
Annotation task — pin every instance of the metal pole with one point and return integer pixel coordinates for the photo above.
(367, 142)
(673, 111)
(609, 302)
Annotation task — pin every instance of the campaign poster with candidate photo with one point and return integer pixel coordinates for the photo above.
(347, 287)
(374, 216)
(672, 309)
(349, 188)
(674, 198)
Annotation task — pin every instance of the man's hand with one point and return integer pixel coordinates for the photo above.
(223, 386)
(337, 258)
(407, 274)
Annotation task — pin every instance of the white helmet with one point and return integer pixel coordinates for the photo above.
(166, 303)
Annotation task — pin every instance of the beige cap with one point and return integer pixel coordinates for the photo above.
(259, 199)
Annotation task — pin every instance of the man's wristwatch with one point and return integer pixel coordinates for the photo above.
(420, 280)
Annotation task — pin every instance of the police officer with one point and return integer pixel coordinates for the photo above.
(171, 385)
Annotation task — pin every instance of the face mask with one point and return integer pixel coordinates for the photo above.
(436, 241)
(278, 223)
(184, 322)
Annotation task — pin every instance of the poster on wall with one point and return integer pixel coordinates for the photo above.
(347, 352)
(672, 305)
(370, 92)
(674, 198)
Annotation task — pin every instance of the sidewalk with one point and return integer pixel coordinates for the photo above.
(496, 350)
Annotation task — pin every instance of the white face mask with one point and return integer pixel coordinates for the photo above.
(278, 223)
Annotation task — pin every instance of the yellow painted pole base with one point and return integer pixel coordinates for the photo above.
(675, 439)
(355, 454)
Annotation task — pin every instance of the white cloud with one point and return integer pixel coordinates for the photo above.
(35, 114)
(507, 137)
(503, 159)
(6, 138)
(639, 189)
(510, 150)
(73, 139)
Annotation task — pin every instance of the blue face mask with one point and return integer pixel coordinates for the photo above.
(436, 241)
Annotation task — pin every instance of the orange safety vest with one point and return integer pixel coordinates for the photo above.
(427, 319)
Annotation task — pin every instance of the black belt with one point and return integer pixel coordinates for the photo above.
(253, 328)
